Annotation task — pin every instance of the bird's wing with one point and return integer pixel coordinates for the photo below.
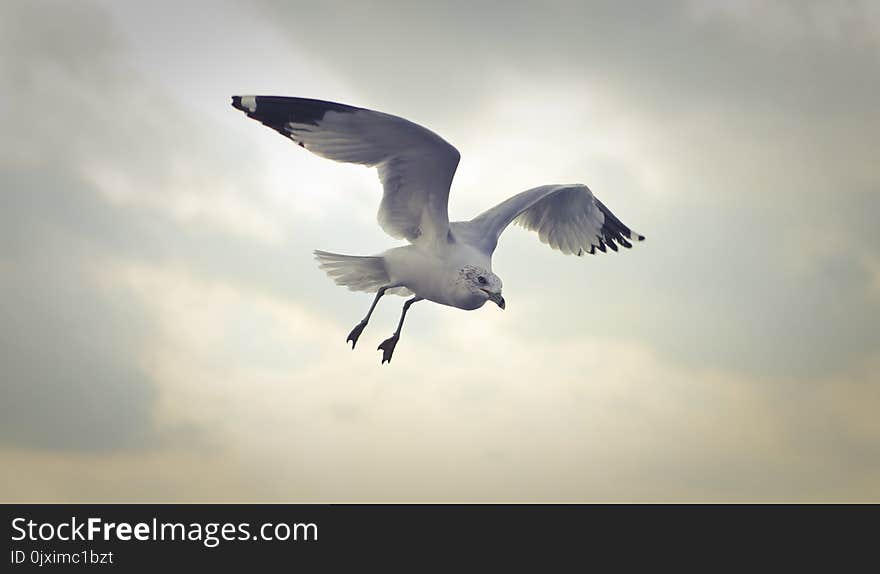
(415, 165)
(566, 217)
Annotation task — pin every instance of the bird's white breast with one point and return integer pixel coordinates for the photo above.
(435, 276)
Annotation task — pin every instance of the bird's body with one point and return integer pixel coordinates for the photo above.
(435, 273)
(449, 263)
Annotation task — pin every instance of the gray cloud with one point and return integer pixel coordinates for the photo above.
(762, 112)
(73, 378)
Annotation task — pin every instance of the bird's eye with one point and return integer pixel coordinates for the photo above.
(481, 280)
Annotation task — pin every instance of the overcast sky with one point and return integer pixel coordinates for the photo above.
(166, 336)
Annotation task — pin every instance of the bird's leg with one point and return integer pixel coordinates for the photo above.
(359, 328)
(387, 346)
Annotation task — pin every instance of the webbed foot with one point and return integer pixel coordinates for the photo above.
(387, 348)
(355, 333)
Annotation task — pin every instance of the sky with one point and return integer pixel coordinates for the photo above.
(165, 334)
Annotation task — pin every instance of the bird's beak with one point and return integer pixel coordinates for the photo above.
(497, 298)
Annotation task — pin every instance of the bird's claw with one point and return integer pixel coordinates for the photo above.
(355, 333)
(387, 348)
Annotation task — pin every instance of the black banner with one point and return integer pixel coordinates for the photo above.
(243, 537)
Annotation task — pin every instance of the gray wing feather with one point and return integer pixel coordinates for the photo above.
(415, 165)
(565, 217)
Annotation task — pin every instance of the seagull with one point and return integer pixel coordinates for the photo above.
(447, 262)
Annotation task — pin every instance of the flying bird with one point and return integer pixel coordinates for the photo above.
(447, 262)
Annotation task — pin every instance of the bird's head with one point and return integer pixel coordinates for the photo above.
(482, 284)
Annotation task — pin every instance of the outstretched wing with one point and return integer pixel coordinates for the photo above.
(566, 217)
(415, 165)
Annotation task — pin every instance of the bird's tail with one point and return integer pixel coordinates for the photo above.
(358, 273)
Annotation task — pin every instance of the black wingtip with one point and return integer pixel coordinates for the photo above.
(236, 103)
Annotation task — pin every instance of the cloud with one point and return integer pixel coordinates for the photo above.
(498, 414)
(72, 376)
(186, 476)
(730, 157)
